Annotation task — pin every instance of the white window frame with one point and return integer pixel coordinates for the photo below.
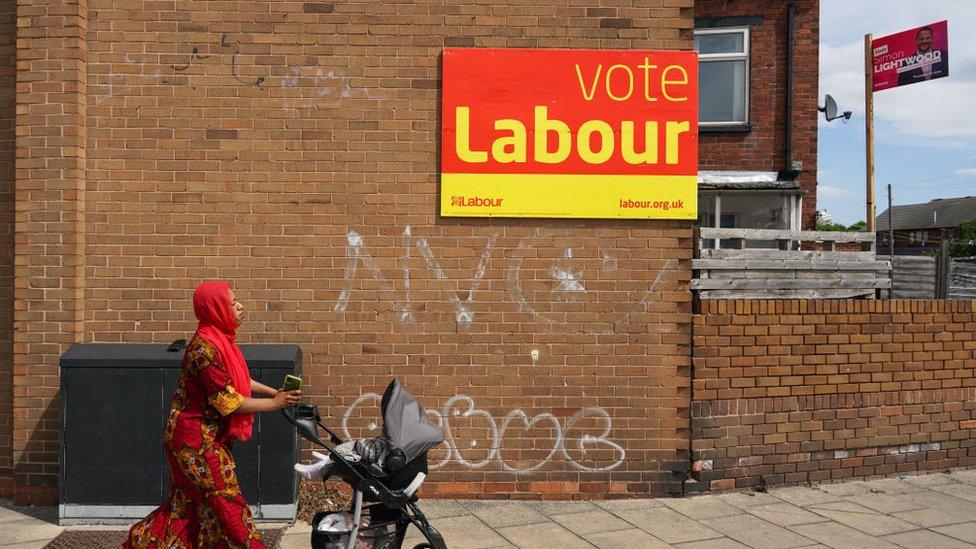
(706, 57)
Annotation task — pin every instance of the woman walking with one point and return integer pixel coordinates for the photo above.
(212, 407)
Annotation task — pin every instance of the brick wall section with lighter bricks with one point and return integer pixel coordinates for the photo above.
(7, 66)
(291, 147)
(803, 391)
(49, 229)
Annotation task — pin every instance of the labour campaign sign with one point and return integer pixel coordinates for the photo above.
(569, 133)
(911, 56)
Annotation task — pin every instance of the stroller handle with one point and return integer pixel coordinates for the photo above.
(306, 420)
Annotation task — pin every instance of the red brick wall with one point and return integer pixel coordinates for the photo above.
(764, 148)
(803, 391)
(8, 31)
(292, 148)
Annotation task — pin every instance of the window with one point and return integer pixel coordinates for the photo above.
(723, 76)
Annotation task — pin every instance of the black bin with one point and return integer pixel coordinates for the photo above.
(115, 400)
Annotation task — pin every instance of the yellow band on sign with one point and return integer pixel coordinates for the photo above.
(561, 195)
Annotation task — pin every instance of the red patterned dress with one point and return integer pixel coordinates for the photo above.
(205, 508)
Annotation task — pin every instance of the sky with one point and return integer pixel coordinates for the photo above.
(924, 134)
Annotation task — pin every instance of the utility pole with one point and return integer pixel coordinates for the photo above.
(891, 247)
(869, 131)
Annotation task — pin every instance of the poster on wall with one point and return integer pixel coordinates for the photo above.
(911, 56)
(569, 133)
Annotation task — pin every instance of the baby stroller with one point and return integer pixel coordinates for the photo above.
(384, 501)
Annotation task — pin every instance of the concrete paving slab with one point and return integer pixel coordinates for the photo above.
(932, 479)
(297, 536)
(702, 507)
(633, 538)
(469, 532)
(717, 543)
(886, 503)
(550, 508)
(591, 522)
(614, 505)
(499, 514)
(928, 517)
(844, 489)
(785, 514)
(926, 539)
(548, 534)
(861, 518)
(757, 533)
(965, 531)
(940, 509)
(28, 530)
(803, 495)
(964, 475)
(892, 486)
(439, 508)
(839, 536)
(667, 525)
(749, 499)
(958, 490)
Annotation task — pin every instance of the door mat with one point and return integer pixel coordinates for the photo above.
(112, 539)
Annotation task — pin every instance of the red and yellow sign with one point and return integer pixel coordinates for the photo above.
(569, 133)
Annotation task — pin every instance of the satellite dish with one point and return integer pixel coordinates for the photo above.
(830, 110)
(831, 107)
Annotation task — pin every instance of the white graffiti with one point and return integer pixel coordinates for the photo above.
(568, 282)
(462, 310)
(462, 406)
(566, 279)
(357, 253)
(518, 294)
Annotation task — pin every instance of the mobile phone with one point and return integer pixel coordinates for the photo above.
(292, 383)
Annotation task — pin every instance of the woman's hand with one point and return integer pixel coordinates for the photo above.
(278, 401)
(283, 399)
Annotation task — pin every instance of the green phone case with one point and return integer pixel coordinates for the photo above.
(292, 383)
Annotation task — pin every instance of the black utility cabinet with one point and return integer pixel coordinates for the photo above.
(115, 400)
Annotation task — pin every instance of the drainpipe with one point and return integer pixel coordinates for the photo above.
(789, 173)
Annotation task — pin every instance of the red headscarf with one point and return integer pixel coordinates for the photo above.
(214, 309)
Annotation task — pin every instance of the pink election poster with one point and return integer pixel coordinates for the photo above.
(911, 56)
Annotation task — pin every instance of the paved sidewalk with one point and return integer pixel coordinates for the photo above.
(926, 511)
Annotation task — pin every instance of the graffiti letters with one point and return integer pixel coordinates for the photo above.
(571, 441)
(567, 284)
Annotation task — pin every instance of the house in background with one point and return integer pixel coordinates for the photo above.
(920, 228)
(758, 85)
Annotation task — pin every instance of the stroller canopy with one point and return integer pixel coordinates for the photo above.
(405, 423)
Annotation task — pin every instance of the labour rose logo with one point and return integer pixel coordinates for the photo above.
(457, 201)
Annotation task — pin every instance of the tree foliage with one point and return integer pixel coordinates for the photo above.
(837, 227)
(965, 245)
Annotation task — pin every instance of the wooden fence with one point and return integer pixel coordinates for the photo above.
(776, 264)
(913, 277)
(962, 278)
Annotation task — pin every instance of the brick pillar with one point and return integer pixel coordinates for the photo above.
(49, 228)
